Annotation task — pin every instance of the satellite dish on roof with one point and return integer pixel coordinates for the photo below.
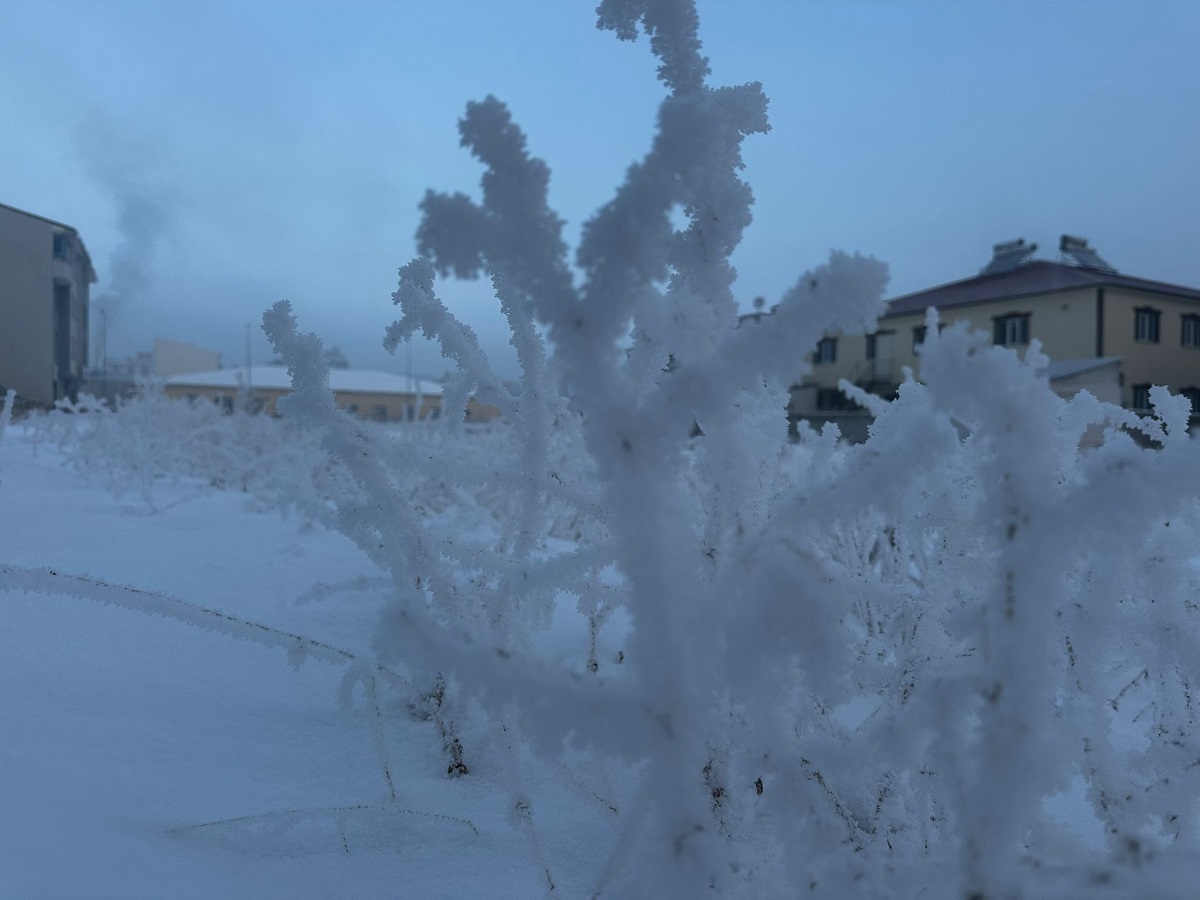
(1007, 256)
(1077, 251)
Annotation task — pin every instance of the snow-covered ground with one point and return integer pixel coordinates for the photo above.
(144, 757)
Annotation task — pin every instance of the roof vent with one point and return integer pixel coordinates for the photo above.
(1075, 250)
(1007, 256)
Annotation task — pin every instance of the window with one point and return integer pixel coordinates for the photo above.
(62, 246)
(1193, 395)
(826, 352)
(352, 409)
(1145, 325)
(1189, 333)
(1141, 397)
(918, 338)
(832, 398)
(870, 346)
(380, 412)
(1011, 330)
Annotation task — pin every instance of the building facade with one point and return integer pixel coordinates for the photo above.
(45, 277)
(1115, 334)
(381, 396)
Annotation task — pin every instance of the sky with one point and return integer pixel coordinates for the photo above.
(218, 157)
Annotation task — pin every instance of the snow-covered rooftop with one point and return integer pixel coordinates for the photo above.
(1069, 368)
(351, 381)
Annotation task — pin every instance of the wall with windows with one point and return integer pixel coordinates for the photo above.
(1065, 323)
(26, 306)
(390, 407)
(836, 356)
(381, 407)
(1157, 337)
(45, 274)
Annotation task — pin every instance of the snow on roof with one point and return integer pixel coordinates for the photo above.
(1069, 368)
(349, 381)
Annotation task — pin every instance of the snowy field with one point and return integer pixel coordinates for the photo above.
(145, 757)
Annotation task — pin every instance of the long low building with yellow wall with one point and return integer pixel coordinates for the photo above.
(382, 396)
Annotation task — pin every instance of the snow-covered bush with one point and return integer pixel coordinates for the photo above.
(867, 671)
(158, 449)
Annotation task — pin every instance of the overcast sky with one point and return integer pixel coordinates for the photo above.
(219, 156)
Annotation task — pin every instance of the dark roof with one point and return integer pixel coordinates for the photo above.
(1037, 277)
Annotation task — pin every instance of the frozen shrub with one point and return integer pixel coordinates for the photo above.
(848, 671)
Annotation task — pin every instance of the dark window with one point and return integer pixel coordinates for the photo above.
(352, 409)
(870, 346)
(1145, 325)
(826, 351)
(62, 339)
(1011, 330)
(919, 332)
(1141, 397)
(381, 412)
(918, 337)
(1189, 333)
(1193, 395)
(832, 398)
(62, 246)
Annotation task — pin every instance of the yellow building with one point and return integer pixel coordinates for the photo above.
(1114, 334)
(382, 396)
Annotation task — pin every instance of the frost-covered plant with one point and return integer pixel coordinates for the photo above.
(159, 449)
(848, 671)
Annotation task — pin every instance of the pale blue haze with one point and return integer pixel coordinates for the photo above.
(280, 149)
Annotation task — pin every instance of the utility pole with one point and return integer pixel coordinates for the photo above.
(104, 352)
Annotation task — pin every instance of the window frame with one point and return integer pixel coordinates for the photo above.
(1192, 319)
(1153, 319)
(1011, 330)
(921, 332)
(1193, 395)
(1141, 391)
(833, 400)
(820, 357)
(61, 248)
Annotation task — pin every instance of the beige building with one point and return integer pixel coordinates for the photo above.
(1114, 334)
(177, 358)
(45, 275)
(382, 396)
(116, 379)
